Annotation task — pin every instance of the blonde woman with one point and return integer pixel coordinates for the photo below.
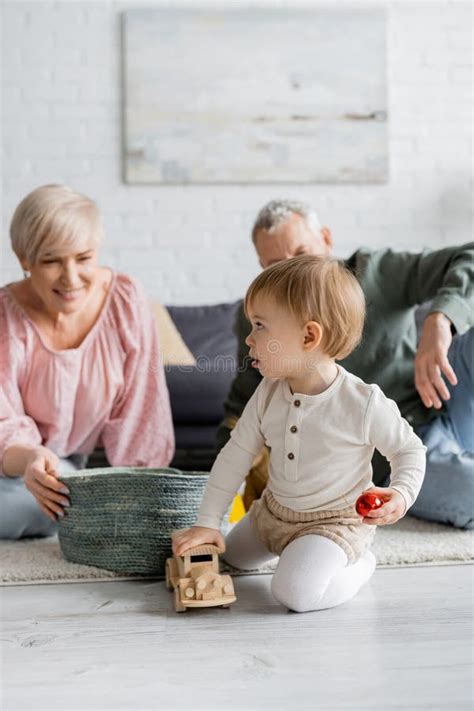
(79, 363)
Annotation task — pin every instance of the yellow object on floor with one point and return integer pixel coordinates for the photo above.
(238, 510)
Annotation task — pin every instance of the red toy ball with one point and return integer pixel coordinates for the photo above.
(368, 502)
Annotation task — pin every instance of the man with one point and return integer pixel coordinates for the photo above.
(430, 379)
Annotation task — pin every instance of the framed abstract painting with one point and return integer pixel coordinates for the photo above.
(255, 95)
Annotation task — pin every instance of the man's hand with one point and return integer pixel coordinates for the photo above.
(393, 508)
(41, 478)
(196, 536)
(431, 360)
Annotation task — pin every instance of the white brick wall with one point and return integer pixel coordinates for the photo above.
(62, 122)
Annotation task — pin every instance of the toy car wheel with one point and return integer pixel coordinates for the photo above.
(178, 605)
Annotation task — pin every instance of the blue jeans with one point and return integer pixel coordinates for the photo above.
(447, 494)
(20, 514)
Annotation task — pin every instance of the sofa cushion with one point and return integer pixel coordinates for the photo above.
(207, 330)
(173, 349)
(196, 437)
(197, 395)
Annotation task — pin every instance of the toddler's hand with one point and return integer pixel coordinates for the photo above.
(196, 536)
(392, 510)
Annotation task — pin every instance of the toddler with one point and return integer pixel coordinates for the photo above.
(321, 425)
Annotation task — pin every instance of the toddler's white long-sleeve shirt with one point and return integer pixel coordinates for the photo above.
(321, 447)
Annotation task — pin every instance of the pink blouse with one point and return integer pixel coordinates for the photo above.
(111, 390)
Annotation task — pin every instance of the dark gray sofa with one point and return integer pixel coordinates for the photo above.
(197, 393)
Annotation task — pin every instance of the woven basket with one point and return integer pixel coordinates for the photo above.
(121, 518)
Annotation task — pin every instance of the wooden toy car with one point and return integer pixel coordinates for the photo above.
(196, 580)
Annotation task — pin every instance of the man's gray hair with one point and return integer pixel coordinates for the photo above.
(277, 211)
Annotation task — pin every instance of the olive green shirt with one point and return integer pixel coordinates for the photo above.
(394, 284)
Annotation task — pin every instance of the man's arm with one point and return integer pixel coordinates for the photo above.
(244, 384)
(445, 276)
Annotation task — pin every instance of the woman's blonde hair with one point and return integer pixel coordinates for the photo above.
(317, 289)
(52, 216)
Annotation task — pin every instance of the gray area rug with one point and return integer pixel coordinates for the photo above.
(409, 542)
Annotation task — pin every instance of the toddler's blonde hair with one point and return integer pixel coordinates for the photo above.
(317, 289)
(52, 216)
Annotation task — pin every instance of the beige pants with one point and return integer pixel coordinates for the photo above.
(277, 526)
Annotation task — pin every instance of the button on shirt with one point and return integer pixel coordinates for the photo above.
(321, 447)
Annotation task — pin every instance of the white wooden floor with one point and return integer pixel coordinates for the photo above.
(403, 643)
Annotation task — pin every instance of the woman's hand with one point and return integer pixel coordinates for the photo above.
(431, 360)
(41, 479)
(393, 508)
(196, 536)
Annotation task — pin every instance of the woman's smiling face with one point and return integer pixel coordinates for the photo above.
(276, 339)
(64, 278)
